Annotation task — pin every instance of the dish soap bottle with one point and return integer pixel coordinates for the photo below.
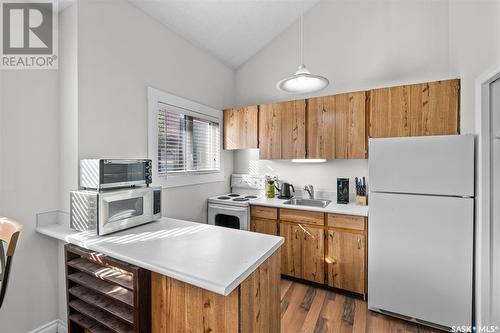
(270, 186)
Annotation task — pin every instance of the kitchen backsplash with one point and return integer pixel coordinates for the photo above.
(323, 176)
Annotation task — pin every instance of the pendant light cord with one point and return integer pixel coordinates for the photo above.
(301, 35)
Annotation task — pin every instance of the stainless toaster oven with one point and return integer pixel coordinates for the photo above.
(100, 174)
(111, 211)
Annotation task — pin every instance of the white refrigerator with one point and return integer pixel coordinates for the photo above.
(421, 228)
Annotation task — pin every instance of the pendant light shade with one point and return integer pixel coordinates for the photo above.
(302, 81)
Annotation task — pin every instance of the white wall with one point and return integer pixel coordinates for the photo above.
(323, 176)
(358, 45)
(122, 51)
(29, 184)
(474, 48)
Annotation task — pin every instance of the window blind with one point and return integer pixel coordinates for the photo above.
(186, 143)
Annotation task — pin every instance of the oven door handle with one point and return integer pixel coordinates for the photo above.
(227, 207)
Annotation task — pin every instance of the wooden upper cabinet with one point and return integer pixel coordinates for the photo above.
(270, 131)
(350, 125)
(336, 126)
(321, 127)
(240, 128)
(435, 108)
(282, 130)
(389, 112)
(415, 110)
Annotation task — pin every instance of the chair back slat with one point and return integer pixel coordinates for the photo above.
(9, 233)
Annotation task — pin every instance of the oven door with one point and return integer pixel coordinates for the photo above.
(120, 210)
(229, 216)
(117, 173)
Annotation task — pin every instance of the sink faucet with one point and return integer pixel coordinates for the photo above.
(310, 190)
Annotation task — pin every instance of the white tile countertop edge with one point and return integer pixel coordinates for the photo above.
(223, 281)
(347, 209)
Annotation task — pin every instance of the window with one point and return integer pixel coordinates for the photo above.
(184, 141)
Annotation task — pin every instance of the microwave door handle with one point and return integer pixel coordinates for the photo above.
(232, 208)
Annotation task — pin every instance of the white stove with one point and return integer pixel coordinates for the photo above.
(232, 210)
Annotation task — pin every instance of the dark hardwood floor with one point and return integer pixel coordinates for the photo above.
(308, 309)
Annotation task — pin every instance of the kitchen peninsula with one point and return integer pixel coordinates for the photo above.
(201, 277)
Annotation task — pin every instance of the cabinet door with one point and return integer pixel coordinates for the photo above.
(270, 131)
(389, 112)
(264, 226)
(313, 254)
(291, 255)
(350, 126)
(345, 259)
(434, 108)
(321, 127)
(430, 108)
(293, 129)
(240, 128)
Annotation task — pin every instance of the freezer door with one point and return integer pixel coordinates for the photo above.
(442, 165)
(420, 257)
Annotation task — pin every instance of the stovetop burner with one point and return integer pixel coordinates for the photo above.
(251, 197)
(233, 195)
(241, 199)
(223, 198)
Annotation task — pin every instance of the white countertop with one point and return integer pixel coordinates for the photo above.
(213, 258)
(347, 209)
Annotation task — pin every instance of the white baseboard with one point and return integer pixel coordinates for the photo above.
(55, 326)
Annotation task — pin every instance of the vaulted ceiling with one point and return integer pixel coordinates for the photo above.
(231, 30)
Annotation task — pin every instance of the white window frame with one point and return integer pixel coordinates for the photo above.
(156, 96)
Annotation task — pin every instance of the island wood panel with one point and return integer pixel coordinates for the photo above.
(291, 251)
(313, 250)
(321, 142)
(270, 131)
(350, 126)
(181, 307)
(346, 261)
(302, 216)
(434, 108)
(265, 226)
(252, 307)
(389, 112)
(260, 298)
(240, 128)
(293, 131)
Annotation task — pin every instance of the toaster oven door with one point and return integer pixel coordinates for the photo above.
(120, 173)
(120, 210)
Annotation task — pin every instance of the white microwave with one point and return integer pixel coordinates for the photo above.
(115, 210)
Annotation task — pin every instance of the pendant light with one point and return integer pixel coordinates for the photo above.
(302, 81)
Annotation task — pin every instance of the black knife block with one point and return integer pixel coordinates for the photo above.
(342, 190)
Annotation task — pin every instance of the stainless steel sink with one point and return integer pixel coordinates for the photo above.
(308, 202)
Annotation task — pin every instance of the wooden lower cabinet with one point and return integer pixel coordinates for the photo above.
(302, 254)
(291, 251)
(313, 254)
(265, 226)
(328, 249)
(346, 260)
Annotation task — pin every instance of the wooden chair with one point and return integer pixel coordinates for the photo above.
(9, 233)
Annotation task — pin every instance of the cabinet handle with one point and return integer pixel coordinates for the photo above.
(359, 243)
(306, 232)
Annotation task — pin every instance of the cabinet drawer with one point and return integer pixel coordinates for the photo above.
(346, 221)
(301, 216)
(265, 212)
